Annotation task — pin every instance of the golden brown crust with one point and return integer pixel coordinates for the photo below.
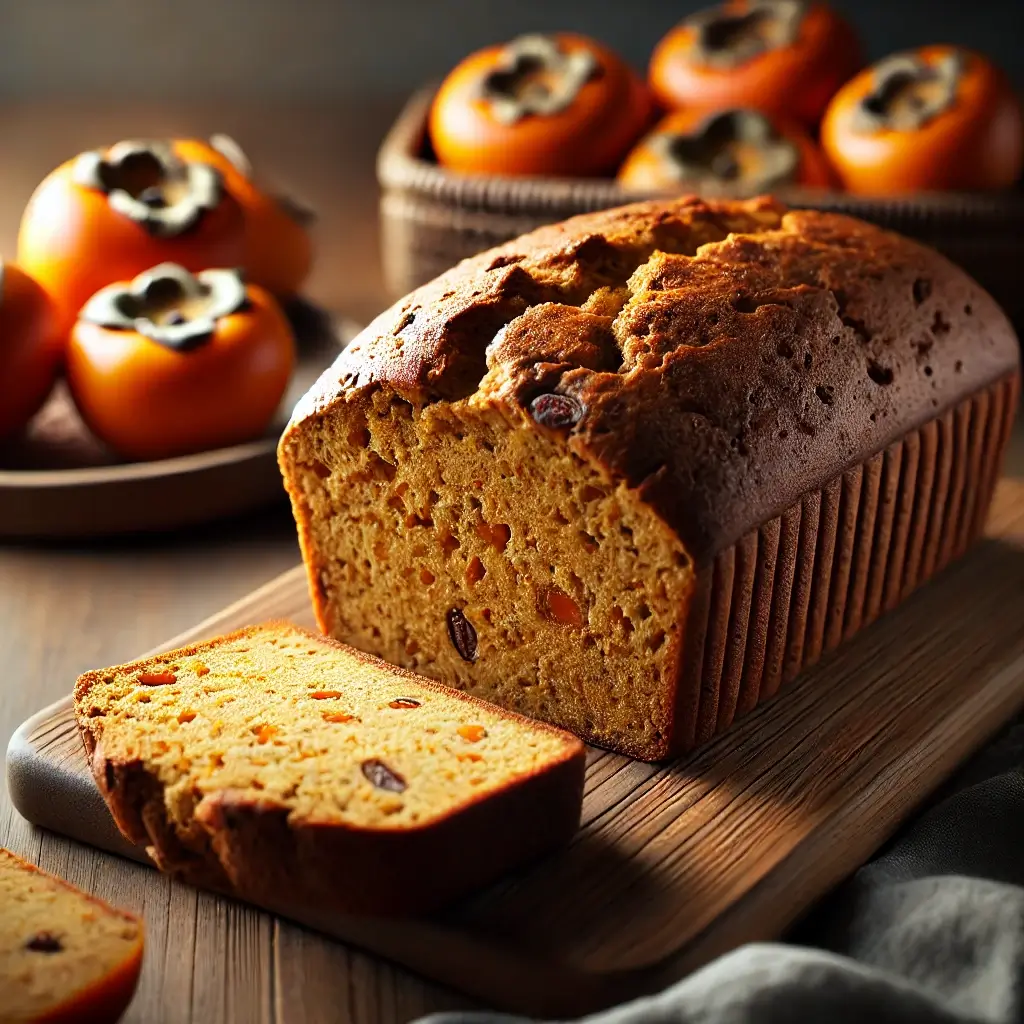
(732, 380)
(394, 871)
(106, 999)
(228, 850)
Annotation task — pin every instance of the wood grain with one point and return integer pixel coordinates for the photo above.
(65, 607)
(674, 863)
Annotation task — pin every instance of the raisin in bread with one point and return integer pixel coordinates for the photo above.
(64, 956)
(294, 772)
(630, 473)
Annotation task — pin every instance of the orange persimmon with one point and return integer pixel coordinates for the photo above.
(172, 363)
(543, 104)
(278, 248)
(109, 214)
(783, 57)
(30, 348)
(936, 118)
(734, 152)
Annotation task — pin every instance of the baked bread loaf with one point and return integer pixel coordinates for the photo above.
(64, 956)
(281, 767)
(632, 472)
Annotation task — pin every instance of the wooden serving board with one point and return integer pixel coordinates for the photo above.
(57, 481)
(676, 864)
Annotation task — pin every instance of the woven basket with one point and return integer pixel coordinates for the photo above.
(432, 218)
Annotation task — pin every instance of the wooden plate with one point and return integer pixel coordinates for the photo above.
(674, 864)
(59, 482)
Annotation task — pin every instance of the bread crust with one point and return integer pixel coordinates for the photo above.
(250, 849)
(104, 1002)
(106, 999)
(730, 363)
(741, 372)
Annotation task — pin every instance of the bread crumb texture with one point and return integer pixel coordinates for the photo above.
(512, 480)
(479, 555)
(274, 716)
(57, 944)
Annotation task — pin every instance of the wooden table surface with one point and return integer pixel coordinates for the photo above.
(64, 609)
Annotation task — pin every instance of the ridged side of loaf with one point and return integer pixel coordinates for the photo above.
(713, 363)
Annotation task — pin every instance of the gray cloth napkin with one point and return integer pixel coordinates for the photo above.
(930, 932)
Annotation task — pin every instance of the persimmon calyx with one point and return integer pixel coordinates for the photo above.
(233, 153)
(725, 39)
(737, 148)
(536, 77)
(169, 305)
(236, 156)
(906, 92)
(148, 183)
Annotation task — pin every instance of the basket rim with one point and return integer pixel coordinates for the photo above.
(401, 167)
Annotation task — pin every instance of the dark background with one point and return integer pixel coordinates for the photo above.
(317, 49)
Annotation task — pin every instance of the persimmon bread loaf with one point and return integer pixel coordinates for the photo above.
(64, 956)
(291, 771)
(631, 472)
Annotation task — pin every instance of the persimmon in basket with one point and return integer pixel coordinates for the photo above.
(559, 105)
(278, 247)
(731, 153)
(110, 214)
(31, 346)
(172, 363)
(784, 57)
(935, 118)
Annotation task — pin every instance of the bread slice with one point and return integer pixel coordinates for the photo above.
(64, 956)
(293, 771)
(651, 462)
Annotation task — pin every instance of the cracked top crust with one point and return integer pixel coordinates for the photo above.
(727, 356)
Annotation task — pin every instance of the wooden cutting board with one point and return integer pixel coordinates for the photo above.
(677, 863)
